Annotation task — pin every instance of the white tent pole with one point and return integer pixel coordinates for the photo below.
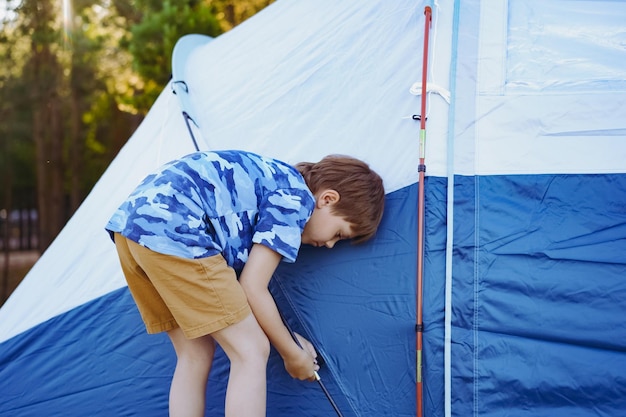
(450, 219)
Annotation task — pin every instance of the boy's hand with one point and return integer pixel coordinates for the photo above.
(302, 363)
(306, 345)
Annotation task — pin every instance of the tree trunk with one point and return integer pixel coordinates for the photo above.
(47, 131)
(76, 154)
(6, 232)
(49, 149)
(43, 189)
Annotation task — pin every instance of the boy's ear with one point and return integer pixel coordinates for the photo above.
(327, 197)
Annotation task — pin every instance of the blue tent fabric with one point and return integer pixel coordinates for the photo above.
(108, 365)
(94, 360)
(541, 296)
(505, 336)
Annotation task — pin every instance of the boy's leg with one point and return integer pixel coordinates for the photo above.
(194, 359)
(248, 349)
(203, 295)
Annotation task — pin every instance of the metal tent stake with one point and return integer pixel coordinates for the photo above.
(316, 375)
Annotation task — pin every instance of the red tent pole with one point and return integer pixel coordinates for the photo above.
(419, 328)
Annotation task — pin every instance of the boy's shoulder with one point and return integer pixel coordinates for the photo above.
(229, 164)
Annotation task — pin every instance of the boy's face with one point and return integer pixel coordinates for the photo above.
(325, 228)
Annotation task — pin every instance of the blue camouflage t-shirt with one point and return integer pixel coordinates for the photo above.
(209, 203)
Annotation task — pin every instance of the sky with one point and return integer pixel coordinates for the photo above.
(7, 6)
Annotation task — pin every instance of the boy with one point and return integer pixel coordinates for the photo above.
(191, 229)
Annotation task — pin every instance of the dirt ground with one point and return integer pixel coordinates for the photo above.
(19, 264)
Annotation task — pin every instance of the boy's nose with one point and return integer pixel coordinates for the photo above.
(329, 244)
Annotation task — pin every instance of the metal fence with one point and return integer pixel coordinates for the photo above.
(18, 230)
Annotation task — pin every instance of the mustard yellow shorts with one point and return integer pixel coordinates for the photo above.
(201, 296)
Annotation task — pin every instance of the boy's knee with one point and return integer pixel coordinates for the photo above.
(259, 348)
(244, 341)
(256, 349)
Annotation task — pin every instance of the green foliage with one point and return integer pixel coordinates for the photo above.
(74, 86)
(230, 13)
(154, 38)
(16, 147)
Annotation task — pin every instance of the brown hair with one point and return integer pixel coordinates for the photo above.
(361, 192)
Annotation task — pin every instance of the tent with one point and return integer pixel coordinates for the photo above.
(525, 216)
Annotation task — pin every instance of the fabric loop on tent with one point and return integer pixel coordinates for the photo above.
(416, 90)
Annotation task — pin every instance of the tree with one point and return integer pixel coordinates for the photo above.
(79, 83)
(156, 25)
(230, 13)
(43, 72)
(152, 41)
(96, 128)
(57, 85)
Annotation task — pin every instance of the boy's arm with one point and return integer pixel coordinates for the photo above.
(254, 279)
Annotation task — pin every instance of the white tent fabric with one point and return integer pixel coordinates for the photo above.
(525, 219)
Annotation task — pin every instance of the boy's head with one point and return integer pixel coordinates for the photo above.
(361, 193)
